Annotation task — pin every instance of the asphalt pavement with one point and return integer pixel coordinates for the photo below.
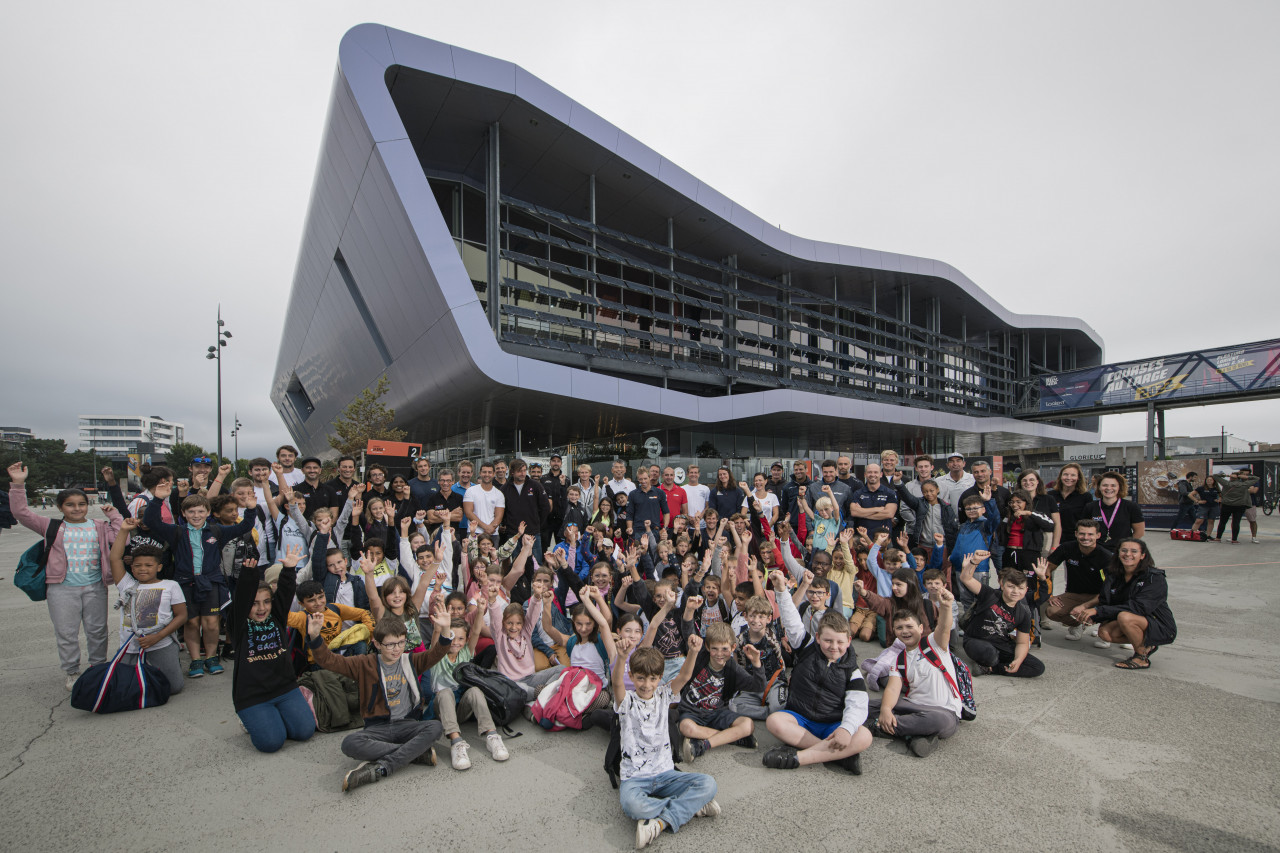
(1087, 757)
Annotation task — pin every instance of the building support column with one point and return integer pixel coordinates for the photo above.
(493, 224)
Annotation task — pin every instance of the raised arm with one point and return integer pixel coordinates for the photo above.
(556, 635)
(942, 631)
(616, 677)
(367, 569)
(788, 614)
(966, 574)
(117, 549)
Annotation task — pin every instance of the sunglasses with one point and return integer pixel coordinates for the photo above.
(202, 460)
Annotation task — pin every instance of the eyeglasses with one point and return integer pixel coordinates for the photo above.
(391, 647)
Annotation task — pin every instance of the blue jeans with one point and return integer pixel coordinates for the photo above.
(270, 723)
(671, 797)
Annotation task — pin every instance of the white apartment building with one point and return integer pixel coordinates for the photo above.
(118, 435)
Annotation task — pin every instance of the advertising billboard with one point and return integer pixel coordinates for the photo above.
(1157, 489)
(1250, 367)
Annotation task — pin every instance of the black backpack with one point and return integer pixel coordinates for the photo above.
(504, 697)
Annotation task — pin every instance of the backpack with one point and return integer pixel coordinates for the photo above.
(962, 686)
(504, 697)
(30, 574)
(562, 703)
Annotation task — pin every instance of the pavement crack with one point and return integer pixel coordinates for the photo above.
(47, 726)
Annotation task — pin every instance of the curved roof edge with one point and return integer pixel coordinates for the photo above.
(385, 46)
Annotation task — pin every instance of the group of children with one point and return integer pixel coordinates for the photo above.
(725, 626)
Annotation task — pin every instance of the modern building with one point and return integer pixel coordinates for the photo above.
(12, 438)
(530, 277)
(116, 436)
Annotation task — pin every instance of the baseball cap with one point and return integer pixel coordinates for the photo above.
(555, 456)
(959, 456)
(777, 465)
(314, 459)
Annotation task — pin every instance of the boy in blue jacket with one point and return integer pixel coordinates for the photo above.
(197, 557)
(980, 516)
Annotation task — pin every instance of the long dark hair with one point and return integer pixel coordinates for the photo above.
(912, 601)
(1116, 569)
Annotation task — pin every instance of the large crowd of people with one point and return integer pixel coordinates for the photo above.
(675, 616)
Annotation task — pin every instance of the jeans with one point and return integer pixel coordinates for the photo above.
(671, 797)
(392, 745)
(270, 723)
(73, 606)
(1186, 515)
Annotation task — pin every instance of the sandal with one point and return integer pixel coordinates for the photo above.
(1132, 663)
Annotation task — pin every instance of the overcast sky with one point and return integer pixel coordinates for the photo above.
(1112, 161)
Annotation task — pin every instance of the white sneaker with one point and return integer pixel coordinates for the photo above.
(459, 755)
(1075, 632)
(646, 831)
(497, 749)
(1255, 541)
(1093, 630)
(71, 681)
(711, 809)
(1101, 644)
(1126, 647)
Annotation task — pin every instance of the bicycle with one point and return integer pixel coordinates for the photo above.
(1269, 506)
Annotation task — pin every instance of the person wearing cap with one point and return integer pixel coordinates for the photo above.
(555, 485)
(777, 481)
(955, 482)
(201, 467)
(311, 487)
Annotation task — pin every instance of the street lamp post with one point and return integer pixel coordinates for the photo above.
(235, 435)
(215, 353)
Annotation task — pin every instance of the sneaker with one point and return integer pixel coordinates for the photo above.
(852, 764)
(1075, 632)
(428, 758)
(748, 742)
(458, 753)
(497, 749)
(213, 666)
(711, 809)
(922, 746)
(781, 758)
(646, 831)
(1101, 644)
(365, 773)
(71, 681)
(527, 713)
(1045, 626)
(1127, 647)
(1255, 541)
(1093, 630)
(691, 749)
(196, 670)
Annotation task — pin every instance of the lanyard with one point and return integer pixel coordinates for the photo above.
(1103, 509)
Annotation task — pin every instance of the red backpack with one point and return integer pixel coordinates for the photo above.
(562, 703)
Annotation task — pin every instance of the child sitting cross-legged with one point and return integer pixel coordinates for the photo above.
(763, 632)
(453, 704)
(827, 700)
(394, 733)
(706, 720)
(652, 792)
(927, 674)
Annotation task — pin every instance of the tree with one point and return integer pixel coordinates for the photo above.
(50, 466)
(364, 419)
(706, 450)
(178, 458)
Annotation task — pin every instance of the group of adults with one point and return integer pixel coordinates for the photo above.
(1224, 498)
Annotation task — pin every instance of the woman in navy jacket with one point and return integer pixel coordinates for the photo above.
(1133, 606)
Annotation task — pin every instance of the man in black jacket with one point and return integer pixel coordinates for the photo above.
(555, 485)
(526, 502)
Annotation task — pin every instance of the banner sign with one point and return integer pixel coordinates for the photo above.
(377, 447)
(1195, 374)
